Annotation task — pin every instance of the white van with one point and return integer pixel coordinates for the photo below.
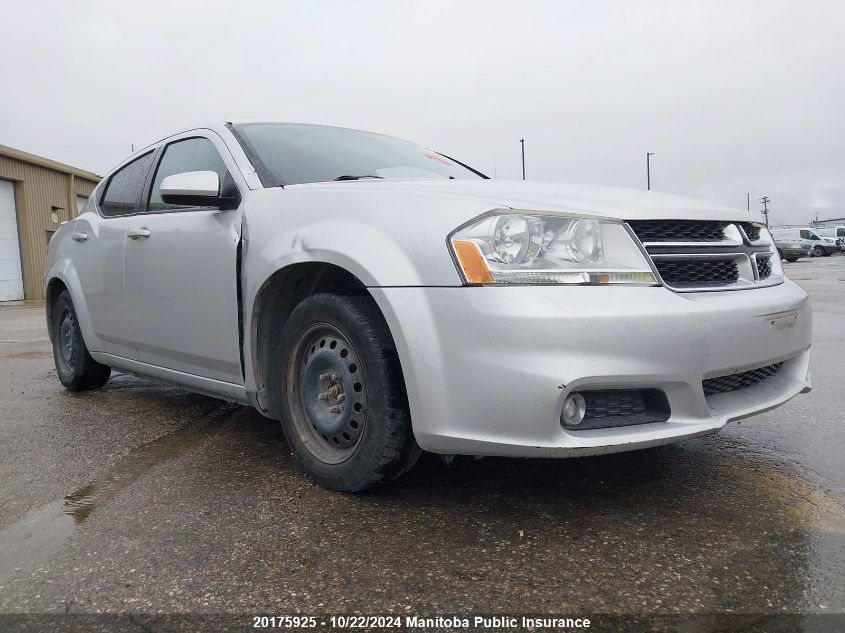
(818, 245)
(833, 233)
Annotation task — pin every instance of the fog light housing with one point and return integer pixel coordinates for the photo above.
(574, 410)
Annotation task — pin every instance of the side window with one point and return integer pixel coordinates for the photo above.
(840, 232)
(193, 154)
(124, 187)
(805, 235)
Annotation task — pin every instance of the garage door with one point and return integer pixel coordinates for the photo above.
(11, 279)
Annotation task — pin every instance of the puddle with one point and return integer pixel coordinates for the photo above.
(34, 538)
(41, 532)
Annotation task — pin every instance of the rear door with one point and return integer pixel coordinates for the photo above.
(180, 267)
(98, 256)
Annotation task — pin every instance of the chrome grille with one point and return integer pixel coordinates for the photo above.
(700, 255)
(752, 231)
(742, 380)
(679, 230)
(764, 267)
(703, 273)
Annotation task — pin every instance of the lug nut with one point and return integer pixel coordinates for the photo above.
(323, 396)
(334, 409)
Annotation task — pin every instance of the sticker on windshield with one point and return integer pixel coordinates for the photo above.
(438, 158)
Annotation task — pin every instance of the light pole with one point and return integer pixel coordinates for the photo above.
(648, 156)
(747, 201)
(522, 142)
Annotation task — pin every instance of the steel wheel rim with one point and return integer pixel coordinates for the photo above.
(326, 392)
(66, 341)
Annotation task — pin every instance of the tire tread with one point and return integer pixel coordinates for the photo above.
(89, 374)
(397, 450)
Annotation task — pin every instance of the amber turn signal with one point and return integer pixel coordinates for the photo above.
(472, 262)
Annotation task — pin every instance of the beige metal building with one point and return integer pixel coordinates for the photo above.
(36, 195)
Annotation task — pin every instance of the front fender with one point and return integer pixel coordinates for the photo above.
(384, 241)
(368, 252)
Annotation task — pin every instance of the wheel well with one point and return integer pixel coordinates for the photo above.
(279, 295)
(54, 289)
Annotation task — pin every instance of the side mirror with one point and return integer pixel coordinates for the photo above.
(196, 189)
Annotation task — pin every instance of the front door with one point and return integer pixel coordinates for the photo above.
(180, 269)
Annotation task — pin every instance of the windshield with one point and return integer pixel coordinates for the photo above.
(294, 153)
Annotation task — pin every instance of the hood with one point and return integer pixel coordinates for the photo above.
(615, 202)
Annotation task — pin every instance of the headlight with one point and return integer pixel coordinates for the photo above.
(530, 248)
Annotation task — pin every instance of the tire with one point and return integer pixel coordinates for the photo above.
(341, 395)
(76, 369)
(818, 251)
(792, 259)
(780, 253)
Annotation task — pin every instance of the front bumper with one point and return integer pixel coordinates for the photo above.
(487, 369)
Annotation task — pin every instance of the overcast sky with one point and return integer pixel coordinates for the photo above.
(732, 97)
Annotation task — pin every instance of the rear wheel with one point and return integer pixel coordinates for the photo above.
(76, 369)
(341, 394)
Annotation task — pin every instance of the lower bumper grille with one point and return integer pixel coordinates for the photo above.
(743, 380)
(698, 273)
(623, 407)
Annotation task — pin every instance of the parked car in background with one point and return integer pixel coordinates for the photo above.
(834, 234)
(818, 245)
(380, 298)
(792, 250)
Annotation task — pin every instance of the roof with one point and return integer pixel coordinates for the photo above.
(34, 159)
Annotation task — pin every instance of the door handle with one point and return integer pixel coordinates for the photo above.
(138, 234)
(79, 237)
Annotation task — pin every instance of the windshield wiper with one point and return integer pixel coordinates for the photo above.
(347, 177)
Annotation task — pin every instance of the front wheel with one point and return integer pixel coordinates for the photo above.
(341, 394)
(780, 253)
(818, 251)
(792, 259)
(76, 369)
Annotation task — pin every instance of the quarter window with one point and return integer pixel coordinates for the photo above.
(193, 154)
(124, 188)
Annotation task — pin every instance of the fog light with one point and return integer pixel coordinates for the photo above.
(574, 408)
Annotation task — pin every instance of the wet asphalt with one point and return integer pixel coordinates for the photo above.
(148, 498)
